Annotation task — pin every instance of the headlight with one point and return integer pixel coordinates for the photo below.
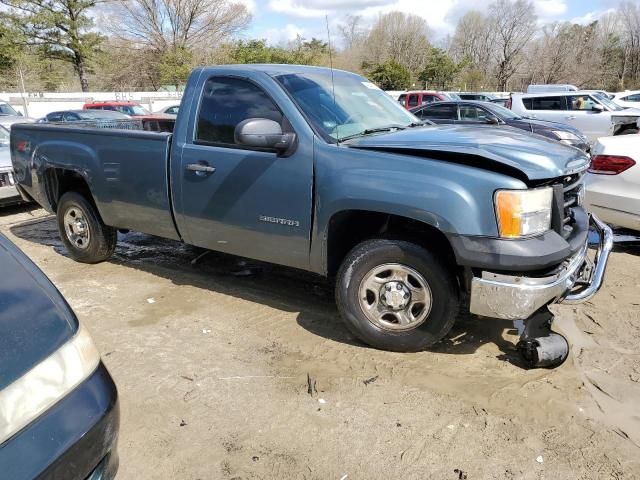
(566, 137)
(45, 384)
(522, 213)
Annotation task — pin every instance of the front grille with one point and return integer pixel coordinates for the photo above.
(6, 179)
(568, 195)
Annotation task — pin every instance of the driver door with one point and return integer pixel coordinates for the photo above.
(237, 199)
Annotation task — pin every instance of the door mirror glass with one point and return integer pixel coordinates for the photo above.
(262, 133)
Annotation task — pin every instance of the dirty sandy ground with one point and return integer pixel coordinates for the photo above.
(225, 376)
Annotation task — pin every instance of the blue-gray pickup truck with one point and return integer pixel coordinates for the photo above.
(321, 170)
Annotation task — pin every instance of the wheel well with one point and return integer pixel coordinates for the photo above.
(348, 228)
(59, 181)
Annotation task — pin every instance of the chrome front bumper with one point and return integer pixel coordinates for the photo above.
(518, 297)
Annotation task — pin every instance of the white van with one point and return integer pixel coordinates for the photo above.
(552, 87)
(594, 114)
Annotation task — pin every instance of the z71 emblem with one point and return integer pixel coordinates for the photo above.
(280, 221)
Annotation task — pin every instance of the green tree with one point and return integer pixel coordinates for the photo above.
(390, 75)
(60, 29)
(175, 66)
(440, 69)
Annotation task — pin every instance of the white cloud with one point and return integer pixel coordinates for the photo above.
(548, 9)
(320, 8)
(590, 17)
(281, 36)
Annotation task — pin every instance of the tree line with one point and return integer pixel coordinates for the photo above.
(65, 45)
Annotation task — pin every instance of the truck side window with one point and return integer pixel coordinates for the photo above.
(413, 101)
(544, 103)
(228, 101)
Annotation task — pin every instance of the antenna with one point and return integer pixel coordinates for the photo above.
(333, 85)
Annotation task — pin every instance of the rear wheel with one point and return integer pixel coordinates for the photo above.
(395, 295)
(86, 237)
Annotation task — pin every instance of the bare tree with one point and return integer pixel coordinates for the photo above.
(514, 24)
(164, 25)
(473, 39)
(400, 37)
(352, 31)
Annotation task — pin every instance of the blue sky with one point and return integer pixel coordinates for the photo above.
(279, 21)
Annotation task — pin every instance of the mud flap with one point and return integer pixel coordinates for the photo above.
(539, 346)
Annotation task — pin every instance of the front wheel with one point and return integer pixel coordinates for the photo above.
(86, 237)
(395, 295)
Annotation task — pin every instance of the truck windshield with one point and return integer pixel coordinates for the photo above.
(359, 107)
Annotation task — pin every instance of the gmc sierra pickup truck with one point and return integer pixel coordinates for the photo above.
(321, 170)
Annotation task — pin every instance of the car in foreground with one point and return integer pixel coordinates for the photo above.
(320, 170)
(613, 181)
(483, 113)
(83, 115)
(413, 99)
(59, 414)
(9, 116)
(628, 99)
(593, 113)
(9, 194)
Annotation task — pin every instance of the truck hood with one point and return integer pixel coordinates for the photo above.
(35, 321)
(505, 149)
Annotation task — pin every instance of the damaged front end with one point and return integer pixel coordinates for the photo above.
(622, 123)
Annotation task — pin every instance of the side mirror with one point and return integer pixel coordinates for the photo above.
(597, 108)
(492, 121)
(263, 133)
(20, 114)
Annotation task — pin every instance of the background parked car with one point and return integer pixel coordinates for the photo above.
(9, 116)
(475, 112)
(410, 100)
(594, 114)
(630, 98)
(8, 191)
(83, 115)
(132, 109)
(503, 102)
(172, 110)
(59, 405)
(485, 97)
(613, 181)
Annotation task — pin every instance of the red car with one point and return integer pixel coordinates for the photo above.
(414, 99)
(155, 122)
(133, 109)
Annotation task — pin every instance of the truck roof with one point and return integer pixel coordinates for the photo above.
(274, 68)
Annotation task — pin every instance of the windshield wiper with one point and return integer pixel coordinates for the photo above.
(369, 131)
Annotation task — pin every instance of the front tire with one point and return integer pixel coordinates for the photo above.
(395, 295)
(86, 237)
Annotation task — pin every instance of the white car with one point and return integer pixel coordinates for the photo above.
(630, 98)
(593, 113)
(613, 181)
(9, 116)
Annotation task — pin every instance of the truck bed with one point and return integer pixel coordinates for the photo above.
(126, 171)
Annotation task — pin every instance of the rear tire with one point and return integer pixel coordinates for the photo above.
(86, 237)
(395, 295)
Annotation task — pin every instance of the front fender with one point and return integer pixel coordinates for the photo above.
(455, 199)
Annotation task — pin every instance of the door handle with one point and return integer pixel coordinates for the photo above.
(570, 117)
(200, 168)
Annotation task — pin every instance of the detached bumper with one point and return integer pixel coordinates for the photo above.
(518, 297)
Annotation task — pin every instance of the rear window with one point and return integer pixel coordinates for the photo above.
(544, 103)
